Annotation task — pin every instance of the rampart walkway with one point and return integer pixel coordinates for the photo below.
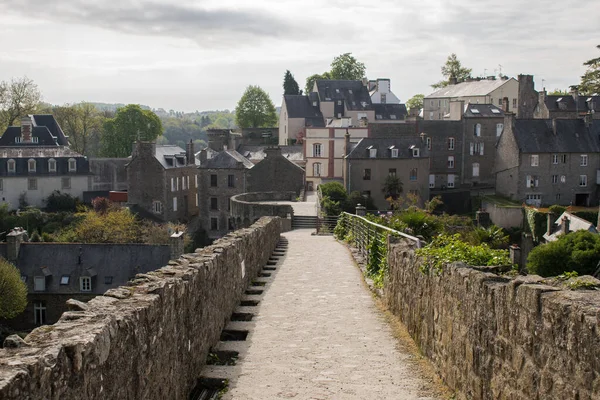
(317, 334)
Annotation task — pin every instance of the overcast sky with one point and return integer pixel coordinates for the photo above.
(200, 55)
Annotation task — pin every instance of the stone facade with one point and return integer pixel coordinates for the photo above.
(493, 337)
(148, 340)
(275, 173)
(247, 208)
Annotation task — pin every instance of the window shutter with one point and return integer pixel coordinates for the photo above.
(528, 180)
(481, 149)
(471, 148)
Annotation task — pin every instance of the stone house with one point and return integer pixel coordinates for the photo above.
(567, 223)
(436, 106)
(566, 106)
(445, 142)
(275, 173)
(163, 181)
(56, 272)
(370, 161)
(549, 161)
(35, 160)
(298, 112)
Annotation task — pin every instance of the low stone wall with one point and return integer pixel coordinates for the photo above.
(493, 337)
(504, 217)
(148, 340)
(246, 208)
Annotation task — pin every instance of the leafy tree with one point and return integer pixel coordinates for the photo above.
(13, 292)
(290, 86)
(558, 92)
(18, 98)
(452, 69)
(392, 187)
(345, 66)
(590, 81)
(310, 81)
(255, 109)
(355, 198)
(83, 124)
(58, 201)
(415, 102)
(577, 251)
(131, 123)
(114, 226)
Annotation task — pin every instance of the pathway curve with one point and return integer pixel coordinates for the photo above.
(319, 335)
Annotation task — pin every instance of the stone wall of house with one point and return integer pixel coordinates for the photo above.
(246, 208)
(504, 217)
(495, 337)
(148, 340)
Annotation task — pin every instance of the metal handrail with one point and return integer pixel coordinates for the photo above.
(393, 231)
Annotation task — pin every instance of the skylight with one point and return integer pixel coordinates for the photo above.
(64, 280)
(392, 116)
(559, 99)
(495, 111)
(474, 111)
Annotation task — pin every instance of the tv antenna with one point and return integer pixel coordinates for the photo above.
(500, 69)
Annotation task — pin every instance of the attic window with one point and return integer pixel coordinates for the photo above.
(108, 280)
(393, 116)
(314, 103)
(64, 280)
(559, 100)
(379, 116)
(337, 90)
(394, 153)
(474, 111)
(495, 111)
(350, 91)
(363, 103)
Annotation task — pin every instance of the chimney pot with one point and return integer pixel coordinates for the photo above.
(564, 228)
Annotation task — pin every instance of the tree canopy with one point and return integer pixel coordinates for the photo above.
(82, 123)
(310, 81)
(452, 69)
(255, 109)
(18, 98)
(345, 66)
(13, 292)
(290, 86)
(415, 102)
(590, 81)
(131, 123)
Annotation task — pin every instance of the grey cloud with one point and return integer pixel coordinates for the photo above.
(159, 19)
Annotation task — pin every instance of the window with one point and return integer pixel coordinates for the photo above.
(450, 143)
(554, 179)
(372, 153)
(85, 284)
(366, 194)
(431, 180)
(65, 183)
(428, 141)
(450, 161)
(383, 97)
(500, 101)
(157, 207)
(317, 150)
(196, 180)
(32, 184)
(533, 199)
(196, 199)
(392, 172)
(231, 180)
(431, 115)
(177, 183)
(214, 203)
(214, 224)
(183, 181)
(187, 180)
(108, 280)
(72, 165)
(317, 169)
(554, 158)
(514, 103)
(172, 184)
(477, 130)
(39, 283)
(11, 165)
(564, 158)
(584, 160)
(563, 179)
(535, 160)
(339, 102)
(213, 180)
(413, 174)
(39, 312)
(499, 129)
(31, 165)
(415, 152)
(450, 181)
(394, 153)
(531, 181)
(64, 280)
(52, 165)
(582, 180)
(367, 174)
(174, 203)
(557, 196)
(475, 170)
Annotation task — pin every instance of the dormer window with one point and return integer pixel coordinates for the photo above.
(52, 165)
(394, 153)
(72, 165)
(372, 152)
(415, 151)
(31, 165)
(11, 165)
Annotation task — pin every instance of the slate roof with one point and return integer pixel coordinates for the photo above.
(301, 107)
(473, 88)
(44, 128)
(228, 159)
(171, 156)
(572, 136)
(121, 262)
(354, 94)
(384, 111)
(38, 152)
(257, 153)
(210, 153)
(441, 128)
(575, 224)
(568, 103)
(384, 146)
(483, 111)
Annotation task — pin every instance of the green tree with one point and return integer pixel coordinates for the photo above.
(392, 187)
(345, 66)
(131, 123)
(452, 69)
(558, 92)
(255, 109)
(290, 86)
(415, 102)
(13, 292)
(590, 81)
(577, 251)
(112, 226)
(310, 81)
(82, 123)
(18, 98)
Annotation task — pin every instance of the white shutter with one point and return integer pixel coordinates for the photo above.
(481, 149)
(471, 148)
(528, 180)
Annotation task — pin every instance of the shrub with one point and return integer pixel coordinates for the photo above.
(576, 251)
(13, 292)
(557, 210)
(118, 226)
(58, 201)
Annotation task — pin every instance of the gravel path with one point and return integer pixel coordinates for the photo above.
(319, 335)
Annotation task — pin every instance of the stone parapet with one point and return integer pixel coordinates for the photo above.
(148, 340)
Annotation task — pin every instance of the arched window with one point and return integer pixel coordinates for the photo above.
(11, 165)
(477, 131)
(475, 170)
(31, 165)
(317, 169)
(317, 150)
(72, 165)
(52, 165)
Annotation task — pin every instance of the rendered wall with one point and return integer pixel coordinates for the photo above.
(144, 341)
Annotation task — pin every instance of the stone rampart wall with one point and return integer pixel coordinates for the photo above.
(494, 337)
(247, 208)
(148, 340)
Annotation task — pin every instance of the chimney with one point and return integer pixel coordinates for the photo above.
(554, 126)
(564, 227)
(145, 150)
(574, 92)
(453, 80)
(509, 121)
(588, 119)
(272, 152)
(550, 219)
(189, 153)
(13, 243)
(203, 157)
(346, 142)
(505, 104)
(26, 129)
